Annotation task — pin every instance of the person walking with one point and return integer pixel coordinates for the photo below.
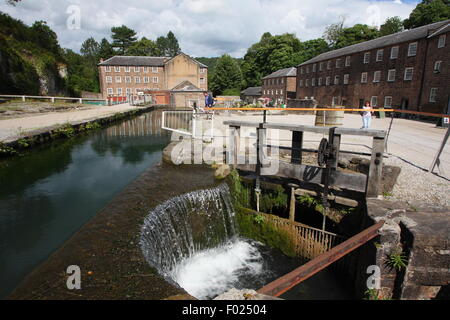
(366, 115)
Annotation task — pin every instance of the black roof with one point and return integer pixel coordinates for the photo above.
(404, 36)
(252, 91)
(287, 72)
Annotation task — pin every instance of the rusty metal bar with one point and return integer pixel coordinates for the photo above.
(290, 280)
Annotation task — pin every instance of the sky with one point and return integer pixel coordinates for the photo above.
(204, 28)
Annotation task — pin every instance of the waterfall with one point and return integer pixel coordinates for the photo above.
(192, 240)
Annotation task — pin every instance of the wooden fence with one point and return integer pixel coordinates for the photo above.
(309, 242)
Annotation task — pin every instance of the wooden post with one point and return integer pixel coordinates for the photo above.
(373, 189)
(337, 147)
(233, 146)
(437, 160)
(292, 204)
(297, 145)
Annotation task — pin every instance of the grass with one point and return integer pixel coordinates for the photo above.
(397, 261)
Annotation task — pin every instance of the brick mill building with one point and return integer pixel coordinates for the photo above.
(408, 70)
(179, 81)
(280, 85)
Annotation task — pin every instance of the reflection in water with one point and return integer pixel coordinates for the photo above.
(48, 194)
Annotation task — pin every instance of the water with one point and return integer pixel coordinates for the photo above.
(193, 240)
(48, 194)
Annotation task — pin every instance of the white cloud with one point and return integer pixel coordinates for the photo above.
(206, 27)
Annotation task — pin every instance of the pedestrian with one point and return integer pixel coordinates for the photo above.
(366, 115)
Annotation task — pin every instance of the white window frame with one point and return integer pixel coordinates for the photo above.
(128, 79)
(128, 90)
(155, 80)
(328, 80)
(202, 70)
(108, 69)
(119, 91)
(300, 84)
(109, 79)
(282, 80)
(118, 79)
(307, 69)
(348, 61)
(410, 46)
(336, 80)
(321, 66)
(394, 52)
(145, 69)
(313, 82)
(377, 76)
(406, 73)
(302, 71)
(117, 68)
(380, 54)
(346, 78)
(391, 75)
(338, 63)
(329, 65)
(146, 79)
(137, 79)
(437, 66)
(281, 91)
(441, 41)
(335, 101)
(127, 69)
(137, 69)
(366, 57)
(110, 91)
(372, 103)
(276, 92)
(364, 77)
(386, 99)
(202, 81)
(433, 94)
(319, 83)
(314, 68)
(307, 83)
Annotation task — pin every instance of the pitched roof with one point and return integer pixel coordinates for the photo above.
(187, 86)
(442, 30)
(287, 72)
(184, 54)
(404, 36)
(135, 61)
(252, 91)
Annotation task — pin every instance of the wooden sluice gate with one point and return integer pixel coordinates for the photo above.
(324, 248)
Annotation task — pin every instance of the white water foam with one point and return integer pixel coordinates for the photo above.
(211, 272)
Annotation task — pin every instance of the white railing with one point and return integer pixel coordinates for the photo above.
(52, 99)
(190, 123)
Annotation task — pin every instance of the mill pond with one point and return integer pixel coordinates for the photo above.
(138, 228)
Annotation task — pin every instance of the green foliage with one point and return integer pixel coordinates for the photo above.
(227, 75)
(92, 126)
(123, 38)
(168, 46)
(397, 260)
(240, 194)
(105, 50)
(428, 11)
(82, 75)
(231, 92)
(65, 131)
(254, 227)
(372, 294)
(272, 53)
(6, 150)
(311, 202)
(356, 34)
(45, 37)
(391, 25)
(143, 47)
(269, 201)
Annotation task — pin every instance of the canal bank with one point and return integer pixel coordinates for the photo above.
(20, 134)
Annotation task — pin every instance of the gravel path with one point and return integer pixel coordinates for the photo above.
(11, 128)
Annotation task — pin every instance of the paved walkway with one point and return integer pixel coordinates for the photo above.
(11, 128)
(414, 141)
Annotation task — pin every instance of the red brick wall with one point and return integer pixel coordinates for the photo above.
(350, 95)
(289, 84)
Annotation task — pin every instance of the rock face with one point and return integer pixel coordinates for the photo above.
(422, 234)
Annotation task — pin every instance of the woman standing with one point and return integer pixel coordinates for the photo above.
(367, 115)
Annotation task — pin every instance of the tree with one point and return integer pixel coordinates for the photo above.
(46, 37)
(90, 50)
(168, 46)
(356, 34)
(123, 38)
(333, 32)
(143, 47)
(391, 25)
(105, 50)
(428, 11)
(227, 75)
